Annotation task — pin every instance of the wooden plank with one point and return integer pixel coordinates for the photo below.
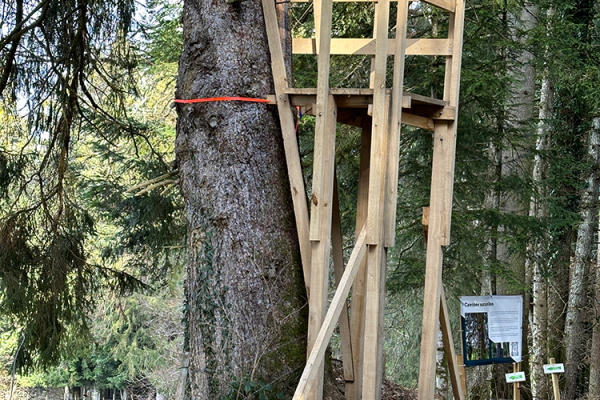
(372, 73)
(436, 113)
(450, 149)
(463, 373)
(444, 114)
(443, 4)
(453, 368)
(321, 248)
(453, 64)
(343, 101)
(555, 387)
(433, 266)
(315, 359)
(366, 46)
(424, 100)
(418, 122)
(517, 385)
(451, 94)
(322, 123)
(447, 5)
(375, 301)
(337, 248)
(409, 99)
(290, 143)
(372, 371)
(379, 134)
(391, 194)
(357, 316)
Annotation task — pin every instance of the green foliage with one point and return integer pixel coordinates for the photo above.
(82, 121)
(250, 389)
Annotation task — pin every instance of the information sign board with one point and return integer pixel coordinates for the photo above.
(492, 329)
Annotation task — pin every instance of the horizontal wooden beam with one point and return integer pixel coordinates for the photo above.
(333, 313)
(409, 99)
(447, 5)
(417, 47)
(417, 121)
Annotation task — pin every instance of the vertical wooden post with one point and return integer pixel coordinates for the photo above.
(555, 387)
(453, 367)
(322, 117)
(376, 267)
(442, 184)
(379, 140)
(338, 267)
(517, 385)
(463, 373)
(357, 306)
(288, 131)
(322, 190)
(395, 119)
(443, 150)
(321, 248)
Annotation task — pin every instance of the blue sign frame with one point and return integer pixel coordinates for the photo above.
(486, 361)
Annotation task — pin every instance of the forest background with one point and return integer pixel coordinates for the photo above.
(93, 230)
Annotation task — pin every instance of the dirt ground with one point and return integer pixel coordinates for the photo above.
(393, 391)
(389, 390)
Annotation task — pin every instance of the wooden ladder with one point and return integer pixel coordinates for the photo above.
(379, 111)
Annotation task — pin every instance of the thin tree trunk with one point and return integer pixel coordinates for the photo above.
(539, 210)
(246, 313)
(594, 386)
(577, 291)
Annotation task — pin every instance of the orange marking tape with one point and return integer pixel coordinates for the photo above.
(222, 99)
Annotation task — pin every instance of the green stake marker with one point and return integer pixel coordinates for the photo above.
(515, 377)
(554, 368)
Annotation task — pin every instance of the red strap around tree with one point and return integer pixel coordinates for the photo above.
(208, 99)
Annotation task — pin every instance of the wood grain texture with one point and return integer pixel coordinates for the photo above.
(323, 9)
(337, 249)
(357, 306)
(315, 359)
(453, 368)
(379, 133)
(414, 47)
(321, 248)
(288, 131)
(391, 183)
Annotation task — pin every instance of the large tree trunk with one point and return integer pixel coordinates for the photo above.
(574, 337)
(246, 313)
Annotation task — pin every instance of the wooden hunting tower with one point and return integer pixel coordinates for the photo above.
(379, 111)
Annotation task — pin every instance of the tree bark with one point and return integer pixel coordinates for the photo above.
(594, 386)
(538, 209)
(246, 313)
(577, 292)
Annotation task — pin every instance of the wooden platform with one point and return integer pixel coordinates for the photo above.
(417, 110)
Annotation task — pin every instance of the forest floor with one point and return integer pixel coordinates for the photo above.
(389, 389)
(393, 391)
